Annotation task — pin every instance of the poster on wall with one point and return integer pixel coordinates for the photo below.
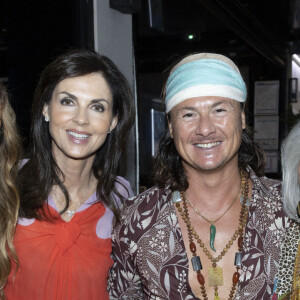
(266, 97)
(295, 9)
(271, 161)
(266, 131)
(293, 90)
(158, 127)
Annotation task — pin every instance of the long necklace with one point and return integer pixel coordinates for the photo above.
(212, 229)
(215, 273)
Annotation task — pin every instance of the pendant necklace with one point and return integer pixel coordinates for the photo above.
(71, 213)
(215, 273)
(212, 229)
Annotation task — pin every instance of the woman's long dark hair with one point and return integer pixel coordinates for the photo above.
(168, 168)
(41, 172)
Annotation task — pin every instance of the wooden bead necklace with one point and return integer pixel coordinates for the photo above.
(216, 273)
(212, 229)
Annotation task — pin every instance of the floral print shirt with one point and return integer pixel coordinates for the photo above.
(150, 260)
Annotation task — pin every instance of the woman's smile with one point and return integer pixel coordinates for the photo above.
(80, 116)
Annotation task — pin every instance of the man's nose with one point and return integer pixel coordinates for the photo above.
(205, 126)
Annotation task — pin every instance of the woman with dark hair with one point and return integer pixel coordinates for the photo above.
(82, 114)
(9, 195)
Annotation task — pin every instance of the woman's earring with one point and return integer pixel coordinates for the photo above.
(109, 132)
(46, 119)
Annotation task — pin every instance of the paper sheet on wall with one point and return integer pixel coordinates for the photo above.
(271, 162)
(158, 126)
(266, 131)
(266, 97)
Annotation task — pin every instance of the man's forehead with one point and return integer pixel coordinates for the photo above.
(193, 103)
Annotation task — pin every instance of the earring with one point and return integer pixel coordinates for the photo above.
(46, 119)
(109, 132)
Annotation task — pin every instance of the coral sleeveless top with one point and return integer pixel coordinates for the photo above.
(62, 260)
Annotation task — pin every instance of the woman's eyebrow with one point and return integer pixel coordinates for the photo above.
(68, 94)
(75, 98)
(99, 100)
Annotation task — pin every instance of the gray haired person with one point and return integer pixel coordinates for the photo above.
(288, 277)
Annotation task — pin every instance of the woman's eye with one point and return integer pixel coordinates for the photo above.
(98, 107)
(66, 101)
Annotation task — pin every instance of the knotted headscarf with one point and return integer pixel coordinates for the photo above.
(204, 74)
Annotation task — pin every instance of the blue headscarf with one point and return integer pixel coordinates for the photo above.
(204, 74)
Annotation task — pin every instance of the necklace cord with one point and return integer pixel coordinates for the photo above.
(83, 199)
(216, 273)
(216, 220)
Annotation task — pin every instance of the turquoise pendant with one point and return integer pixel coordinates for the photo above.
(212, 236)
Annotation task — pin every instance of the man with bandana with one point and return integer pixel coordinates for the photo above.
(211, 227)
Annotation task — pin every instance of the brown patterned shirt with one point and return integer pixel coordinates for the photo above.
(151, 260)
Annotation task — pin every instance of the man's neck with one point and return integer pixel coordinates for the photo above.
(214, 189)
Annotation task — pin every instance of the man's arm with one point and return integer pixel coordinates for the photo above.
(124, 281)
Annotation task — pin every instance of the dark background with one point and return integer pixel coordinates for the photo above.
(32, 34)
(258, 35)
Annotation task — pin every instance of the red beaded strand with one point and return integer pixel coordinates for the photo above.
(240, 232)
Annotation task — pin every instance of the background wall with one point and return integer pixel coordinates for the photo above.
(296, 74)
(113, 38)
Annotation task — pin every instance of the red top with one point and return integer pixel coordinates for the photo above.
(61, 260)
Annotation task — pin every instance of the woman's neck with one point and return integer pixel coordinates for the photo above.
(77, 173)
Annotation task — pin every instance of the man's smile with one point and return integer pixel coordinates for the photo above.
(207, 145)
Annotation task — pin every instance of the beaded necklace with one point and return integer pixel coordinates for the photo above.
(215, 273)
(212, 229)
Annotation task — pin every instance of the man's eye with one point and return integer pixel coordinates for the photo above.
(188, 115)
(219, 110)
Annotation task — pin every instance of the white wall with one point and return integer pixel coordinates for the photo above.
(113, 38)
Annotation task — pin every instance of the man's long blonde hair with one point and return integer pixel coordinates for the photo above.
(9, 196)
